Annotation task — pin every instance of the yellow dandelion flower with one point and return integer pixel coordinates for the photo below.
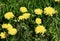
(3, 35)
(40, 29)
(57, 0)
(9, 15)
(38, 11)
(23, 9)
(12, 31)
(38, 21)
(49, 11)
(20, 17)
(26, 15)
(4, 25)
(9, 26)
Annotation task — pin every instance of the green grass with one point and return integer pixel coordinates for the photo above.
(26, 28)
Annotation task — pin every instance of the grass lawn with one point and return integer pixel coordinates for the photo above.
(26, 28)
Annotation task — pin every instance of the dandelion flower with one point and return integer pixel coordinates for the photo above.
(3, 35)
(40, 29)
(38, 20)
(9, 26)
(12, 31)
(26, 15)
(38, 11)
(57, 0)
(4, 25)
(9, 15)
(49, 11)
(23, 9)
(20, 17)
